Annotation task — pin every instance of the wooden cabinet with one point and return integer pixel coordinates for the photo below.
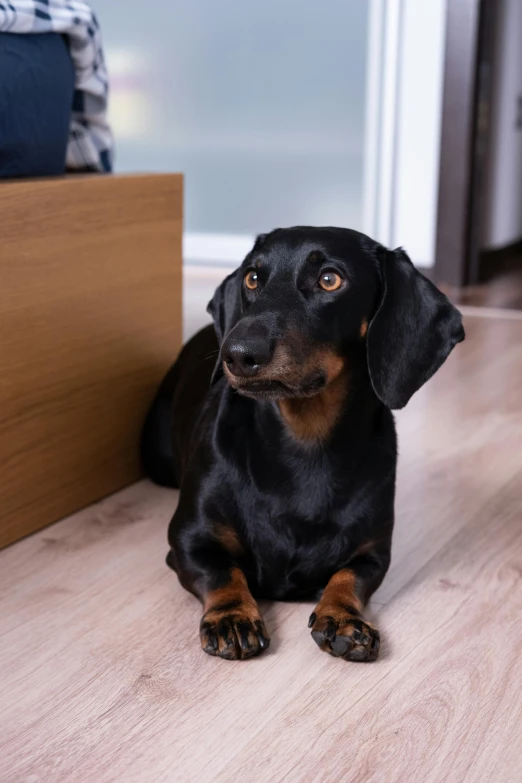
(90, 319)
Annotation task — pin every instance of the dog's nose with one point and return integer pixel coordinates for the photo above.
(246, 357)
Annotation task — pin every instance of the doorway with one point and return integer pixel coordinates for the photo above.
(479, 242)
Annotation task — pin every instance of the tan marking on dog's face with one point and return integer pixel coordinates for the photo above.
(311, 419)
(292, 363)
(364, 328)
(287, 365)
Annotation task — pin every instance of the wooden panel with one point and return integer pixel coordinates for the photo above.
(90, 317)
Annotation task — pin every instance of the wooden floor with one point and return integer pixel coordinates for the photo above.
(501, 289)
(102, 678)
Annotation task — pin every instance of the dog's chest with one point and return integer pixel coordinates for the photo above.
(301, 518)
(294, 541)
(291, 557)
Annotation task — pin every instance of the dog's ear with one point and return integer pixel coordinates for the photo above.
(412, 332)
(225, 309)
(225, 305)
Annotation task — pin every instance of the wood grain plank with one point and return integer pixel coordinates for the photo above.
(103, 678)
(90, 318)
(454, 626)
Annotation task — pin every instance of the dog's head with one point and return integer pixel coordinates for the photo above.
(304, 297)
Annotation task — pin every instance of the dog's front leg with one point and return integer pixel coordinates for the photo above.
(337, 623)
(231, 626)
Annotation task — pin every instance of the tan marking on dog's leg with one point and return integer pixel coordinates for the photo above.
(232, 626)
(227, 537)
(337, 623)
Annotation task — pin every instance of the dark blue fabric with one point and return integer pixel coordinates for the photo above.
(105, 161)
(36, 96)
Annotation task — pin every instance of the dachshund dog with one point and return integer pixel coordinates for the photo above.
(276, 425)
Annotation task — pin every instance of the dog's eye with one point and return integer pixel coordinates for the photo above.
(330, 281)
(251, 280)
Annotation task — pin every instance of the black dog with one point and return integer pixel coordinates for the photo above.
(285, 449)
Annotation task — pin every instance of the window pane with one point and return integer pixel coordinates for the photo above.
(260, 104)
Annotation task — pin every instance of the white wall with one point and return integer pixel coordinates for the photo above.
(503, 215)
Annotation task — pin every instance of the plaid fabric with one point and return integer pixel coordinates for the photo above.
(90, 144)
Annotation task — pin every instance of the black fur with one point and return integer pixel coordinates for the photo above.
(300, 511)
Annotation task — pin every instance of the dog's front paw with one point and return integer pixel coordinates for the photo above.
(345, 636)
(233, 635)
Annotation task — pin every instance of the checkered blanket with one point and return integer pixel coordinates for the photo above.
(90, 140)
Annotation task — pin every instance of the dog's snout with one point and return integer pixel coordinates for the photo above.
(246, 357)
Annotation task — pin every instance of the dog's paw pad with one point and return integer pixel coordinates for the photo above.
(345, 637)
(234, 636)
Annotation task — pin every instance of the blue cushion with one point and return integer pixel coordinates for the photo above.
(36, 95)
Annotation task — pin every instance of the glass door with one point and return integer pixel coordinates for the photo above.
(283, 112)
(260, 104)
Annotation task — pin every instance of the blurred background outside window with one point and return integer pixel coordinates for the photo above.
(283, 112)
